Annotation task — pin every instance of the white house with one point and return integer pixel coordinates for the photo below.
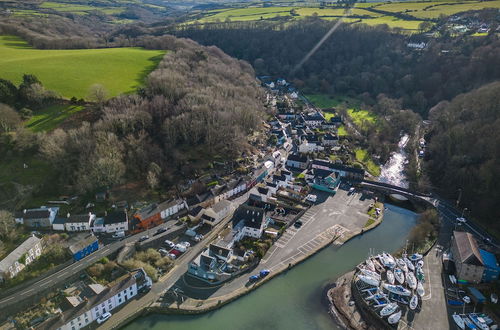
(22, 256)
(249, 221)
(172, 207)
(86, 307)
(59, 224)
(42, 217)
(213, 215)
(305, 147)
(113, 222)
(79, 222)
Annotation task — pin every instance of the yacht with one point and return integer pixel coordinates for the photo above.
(370, 265)
(390, 276)
(411, 280)
(410, 264)
(369, 280)
(389, 309)
(459, 321)
(413, 302)
(420, 289)
(402, 265)
(399, 275)
(370, 273)
(397, 289)
(394, 318)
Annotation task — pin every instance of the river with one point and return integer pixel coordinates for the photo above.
(293, 300)
(393, 171)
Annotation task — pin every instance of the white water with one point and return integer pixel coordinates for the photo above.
(393, 171)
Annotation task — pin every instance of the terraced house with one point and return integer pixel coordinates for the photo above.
(22, 256)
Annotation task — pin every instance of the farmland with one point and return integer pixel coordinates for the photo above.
(362, 13)
(72, 72)
(50, 117)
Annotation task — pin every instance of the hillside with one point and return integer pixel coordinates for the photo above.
(71, 72)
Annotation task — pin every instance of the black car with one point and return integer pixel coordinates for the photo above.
(298, 224)
(160, 230)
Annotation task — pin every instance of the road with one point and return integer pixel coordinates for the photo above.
(65, 273)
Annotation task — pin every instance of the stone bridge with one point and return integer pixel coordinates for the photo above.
(396, 190)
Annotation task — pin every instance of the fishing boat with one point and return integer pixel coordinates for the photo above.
(410, 264)
(415, 257)
(390, 276)
(420, 289)
(370, 265)
(411, 280)
(370, 273)
(420, 274)
(413, 302)
(394, 318)
(397, 289)
(399, 275)
(459, 321)
(389, 309)
(369, 280)
(479, 321)
(402, 264)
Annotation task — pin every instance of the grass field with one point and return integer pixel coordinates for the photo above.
(79, 9)
(49, 118)
(363, 157)
(72, 72)
(359, 117)
(342, 131)
(323, 101)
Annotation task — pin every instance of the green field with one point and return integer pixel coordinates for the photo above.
(323, 101)
(360, 117)
(72, 72)
(79, 9)
(50, 117)
(363, 157)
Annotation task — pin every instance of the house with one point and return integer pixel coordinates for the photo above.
(22, 256)
(348, 172)
(229, 190)
(314, 120)
(330, 140)
(195, 213)
(468, 261)
(211, 264)
(97, 226)
(79, 222)
(84, 247)
(308, 147)
(297, 162)
(59, 224)
(217, 212)
(491, 267)
(325, 180)
(248, 221)
(115, 221)
(89, 303)
(172, 207)
(147, 217)
(287, 115)
(321, 164)
(42, 217)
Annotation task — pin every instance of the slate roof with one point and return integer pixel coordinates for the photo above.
(83, 243)
(195, 211)
(115, 217)
(468, 252)
(18, 252)
(219, 250)
(297, 158)
(78, 218)
(252, 216)
(36, 214)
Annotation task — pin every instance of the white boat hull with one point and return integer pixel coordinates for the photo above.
(394, 318)
(413, 302)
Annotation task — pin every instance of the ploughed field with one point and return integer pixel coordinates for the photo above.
(71, 72)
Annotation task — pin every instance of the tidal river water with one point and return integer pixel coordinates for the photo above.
(293, 299)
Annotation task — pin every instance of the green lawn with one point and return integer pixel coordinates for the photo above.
(50, 117)
(363, 157)
(72, 72)
(360, 117)
(342, 131)
(324, 101)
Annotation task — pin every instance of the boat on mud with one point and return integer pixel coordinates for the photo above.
(370, 273)
(402, 264)
(411, 280)
(420, 289)
(389, 309)
(459, 321)
(399, 275)
(394, 318)
(390, 276)
(397, 289)
(369, 280)
(413, 302)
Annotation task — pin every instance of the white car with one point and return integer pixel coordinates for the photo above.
(170, 244)
(462, 220)
(163, 252)
(172, 256)
(198, 238)
(186, 244)
(104, 317)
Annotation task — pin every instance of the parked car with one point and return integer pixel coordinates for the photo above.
(160, 230)
(253, 278)
(298, 224)
(143, 238)
(119, 234)
(104, 317)
(186, 244)
(198, 238)
(172, 256)
(180, 247)
(170, 244)
(312, 198)
(351, 190)
(264, 272)
(462, 220)
(163, 252)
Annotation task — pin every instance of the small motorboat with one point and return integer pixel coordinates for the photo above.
(410, 264)
(478, 321)
(420, 263)
(390, 276)
(420, 274)
(394, 318)
(420, 289)
(369, 280)
(413, 302)
(399, 275)
(402, 264)
(370, 265)
(416, 257)
(389, 309)
(397, 289)
(411, 280)
(459, 321)
(370, 273)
